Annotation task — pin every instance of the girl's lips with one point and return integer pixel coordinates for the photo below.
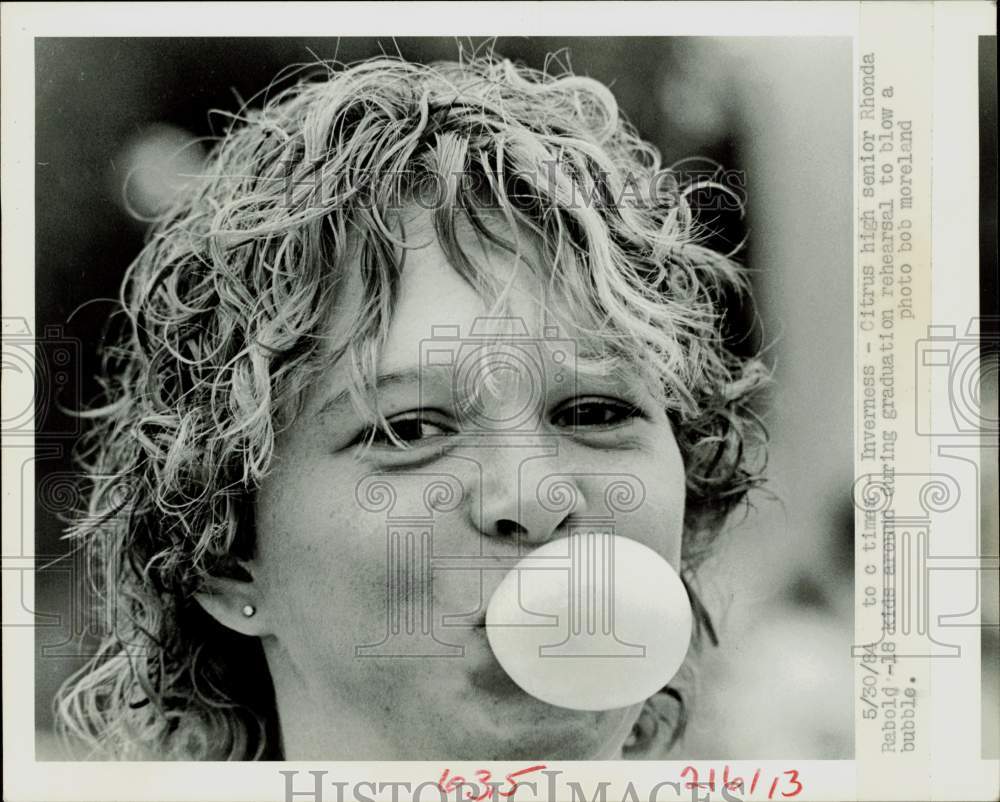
(491, 678)
(486, 674)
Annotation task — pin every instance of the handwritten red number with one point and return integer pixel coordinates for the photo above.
(451, 784)
(484, 777)
(735, 784)
(793, 780)
(519, 773)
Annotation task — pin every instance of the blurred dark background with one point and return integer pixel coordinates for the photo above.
(776, 109)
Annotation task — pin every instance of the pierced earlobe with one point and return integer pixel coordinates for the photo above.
(232, 602)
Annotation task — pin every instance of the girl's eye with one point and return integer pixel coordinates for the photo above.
(596, 412)
(407, 430)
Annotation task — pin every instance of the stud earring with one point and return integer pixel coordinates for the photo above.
(249, 610)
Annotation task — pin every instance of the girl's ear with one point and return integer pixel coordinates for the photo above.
(235, 603)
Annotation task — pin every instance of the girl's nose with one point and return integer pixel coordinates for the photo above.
(508, 504)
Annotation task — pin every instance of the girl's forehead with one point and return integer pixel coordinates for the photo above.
(433, 293)
(441, 326)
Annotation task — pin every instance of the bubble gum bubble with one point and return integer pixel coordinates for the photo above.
(594, 621)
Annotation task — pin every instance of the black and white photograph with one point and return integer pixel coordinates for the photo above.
(364, 323)
(525, 401)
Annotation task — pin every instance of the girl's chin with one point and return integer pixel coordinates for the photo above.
(541, 731)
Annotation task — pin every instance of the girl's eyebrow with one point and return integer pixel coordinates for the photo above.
(442, 374)
(393, 378)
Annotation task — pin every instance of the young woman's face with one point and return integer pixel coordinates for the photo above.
(328, 584)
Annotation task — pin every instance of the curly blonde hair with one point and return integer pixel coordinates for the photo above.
(226, 310)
